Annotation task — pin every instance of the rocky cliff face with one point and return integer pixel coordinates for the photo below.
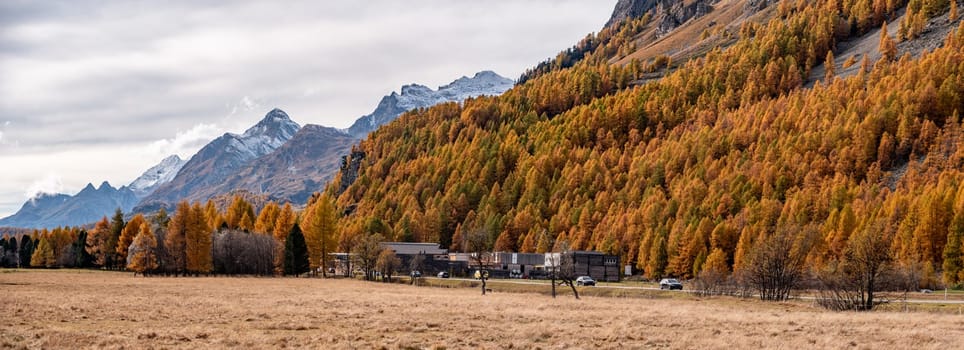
(349, 169)
(667, 14)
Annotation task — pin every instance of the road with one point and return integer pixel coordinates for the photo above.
(609, 286)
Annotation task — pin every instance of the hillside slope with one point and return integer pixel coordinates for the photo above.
(705, 164)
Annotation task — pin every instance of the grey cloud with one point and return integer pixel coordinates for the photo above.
(91, 73)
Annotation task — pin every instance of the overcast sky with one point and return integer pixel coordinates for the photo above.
(94, 91)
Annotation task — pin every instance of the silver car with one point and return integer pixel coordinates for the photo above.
(585, 281)
(670, 283)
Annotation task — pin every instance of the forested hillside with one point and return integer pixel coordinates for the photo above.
(701, 166)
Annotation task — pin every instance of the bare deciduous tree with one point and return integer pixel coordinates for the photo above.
(388, 263)
(865, 269)
(415, 265)
(476, 243)
(776, 264)
(366, 254)
(236, 252)
(562, 266)
(347, 243)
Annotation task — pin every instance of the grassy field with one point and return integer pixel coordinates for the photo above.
(93, 309)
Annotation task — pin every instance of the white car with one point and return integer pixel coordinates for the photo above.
(585, 281)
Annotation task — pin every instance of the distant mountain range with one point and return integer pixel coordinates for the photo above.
(275, 158)
(53, 210)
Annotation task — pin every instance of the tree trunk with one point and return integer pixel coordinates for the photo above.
(483, 285)
(573, 286)
(553, 283)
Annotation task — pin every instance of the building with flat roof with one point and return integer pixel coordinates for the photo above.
(599, 266)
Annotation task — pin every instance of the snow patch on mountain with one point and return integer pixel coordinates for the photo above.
(414, 96)
(157, 175)
(270, 133)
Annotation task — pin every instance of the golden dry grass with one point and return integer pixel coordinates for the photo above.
(91, 309)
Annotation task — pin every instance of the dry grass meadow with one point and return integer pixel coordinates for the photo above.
(93, 309)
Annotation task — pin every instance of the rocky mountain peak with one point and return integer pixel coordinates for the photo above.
(275, 123)
(414, 96)
(667, 14)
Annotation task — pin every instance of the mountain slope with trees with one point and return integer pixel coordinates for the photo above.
(701, 167)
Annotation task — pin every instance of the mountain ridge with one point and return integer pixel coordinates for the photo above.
(414, 96)
(221, 158)
(56, 210)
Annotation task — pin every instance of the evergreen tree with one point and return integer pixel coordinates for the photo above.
(27, 246)
(82, 259)
(10, 253)
(116, 228)
(296, 253)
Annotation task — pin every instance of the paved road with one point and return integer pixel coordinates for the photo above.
(512, 281)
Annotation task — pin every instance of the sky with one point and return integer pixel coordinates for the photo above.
(94, 91)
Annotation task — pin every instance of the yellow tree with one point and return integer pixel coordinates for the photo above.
(319, 225)
(888, 49)
(267, 219)
(247, 222)
(235, 215)
(142, 258)
(283, 224)
(176, 238)
(212, 215)
(44, 255)
(282, 227)
(198, 242)
(952, 16)
(97, 241)
(131, 229)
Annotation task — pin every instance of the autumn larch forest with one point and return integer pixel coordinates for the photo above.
(678, 167)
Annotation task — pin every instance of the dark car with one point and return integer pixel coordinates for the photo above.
(443, 274)
(416, 274)
(585, 281)
(670, 283)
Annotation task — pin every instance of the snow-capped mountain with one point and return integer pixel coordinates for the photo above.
(419, 96)
(156, 176)
(87, 206)
(295, 170)
(220, 159)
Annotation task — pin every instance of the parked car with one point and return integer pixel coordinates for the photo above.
(585, 281)
(443, 274)
(416, 274)
(670, 283)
